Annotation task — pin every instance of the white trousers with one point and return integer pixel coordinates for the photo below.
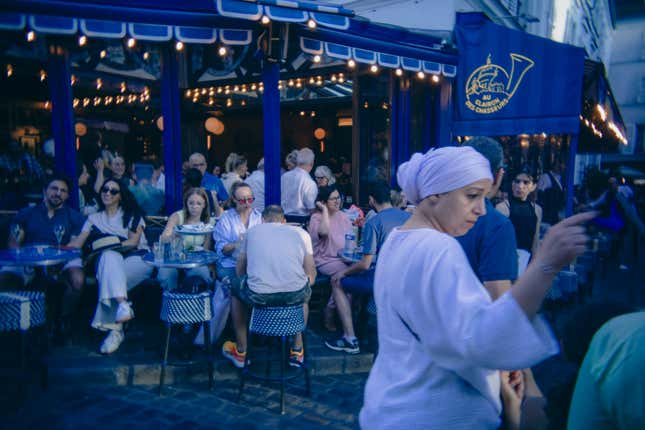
(116, 275)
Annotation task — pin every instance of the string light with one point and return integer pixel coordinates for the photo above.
(103, 53)
(398, 72)
(124, 87)
(43, 76)
(311, 24)
(31, 36)
(435, 78)
(132, 42)
(351, 64)
(82, 40)
(222, 51)
(373, 68)
(99, 83)
(421, 75)
(73, 80)
(265, 20)
(9, 70)
(317, 58)
(146, 55)
(179, 46)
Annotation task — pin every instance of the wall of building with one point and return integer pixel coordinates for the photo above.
(626, 71)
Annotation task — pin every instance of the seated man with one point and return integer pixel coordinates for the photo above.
(273, 278)
(37, 227)
(359, 277)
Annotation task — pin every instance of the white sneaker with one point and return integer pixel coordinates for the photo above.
(124, 312)
(112, 341)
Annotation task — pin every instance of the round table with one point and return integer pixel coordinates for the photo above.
(350, 258)
(192, 260)
(38, 256)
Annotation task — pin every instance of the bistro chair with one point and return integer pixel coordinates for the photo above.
(22, 312)
(183, 308)
(282, 322)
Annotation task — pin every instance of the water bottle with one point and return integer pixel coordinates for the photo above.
(350, 242)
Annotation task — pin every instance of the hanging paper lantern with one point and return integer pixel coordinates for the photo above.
(214, 126)
(80, 129)
(160, 123)
(320, 133)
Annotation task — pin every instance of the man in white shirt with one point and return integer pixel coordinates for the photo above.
(299, 191)
(272, 278)
(256, 182)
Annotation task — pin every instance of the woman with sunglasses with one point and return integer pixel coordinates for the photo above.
(231, 227)
(327, 227)
(525, 215)
(196, 211)
(324, 177)
(120, 216)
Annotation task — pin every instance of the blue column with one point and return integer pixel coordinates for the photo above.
(400, 128)
(428, 122)
(571, 166)
(271, 121)
(59, 76)
(443, 115)
(170, 109)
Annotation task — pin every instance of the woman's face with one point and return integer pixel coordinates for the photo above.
(242, 170)
(118, 167)
(111, 193)
(243, 199)
(457, 211)
(333, 202)
(523, 185)
(195, 205)
(321, 180)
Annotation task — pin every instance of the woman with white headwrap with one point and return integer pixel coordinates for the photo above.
(440, 335)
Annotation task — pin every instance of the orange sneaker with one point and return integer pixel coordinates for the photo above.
(296, 358)
(229, 350)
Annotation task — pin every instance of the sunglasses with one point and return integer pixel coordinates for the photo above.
(521, 181)
(333, 199)
(113, 191)
(246, 200)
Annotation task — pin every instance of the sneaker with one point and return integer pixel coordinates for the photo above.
(229, 350)
(112, 341)
(342, 344)
(296, 358)
(124, 312)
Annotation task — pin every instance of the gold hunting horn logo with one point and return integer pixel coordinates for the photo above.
(489, 88)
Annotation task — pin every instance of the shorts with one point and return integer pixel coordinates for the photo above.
(241, 290)
(362, 283)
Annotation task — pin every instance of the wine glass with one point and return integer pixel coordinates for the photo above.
(15, 230)
(59, 232)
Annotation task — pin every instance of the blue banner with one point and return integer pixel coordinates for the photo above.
(511, 82)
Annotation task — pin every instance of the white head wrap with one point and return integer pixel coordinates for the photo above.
(440, 171)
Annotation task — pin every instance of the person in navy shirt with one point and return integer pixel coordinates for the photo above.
(490, 245)
(209, 182)
(37, 227)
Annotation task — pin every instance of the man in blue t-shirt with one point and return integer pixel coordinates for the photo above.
(209, 182)
(359, 277)
(490, 245)
(37, 227)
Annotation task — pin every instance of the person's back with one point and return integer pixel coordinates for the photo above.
(256, 182)
(610, 391)
(298, 192)
(275, 254)
(379, 226)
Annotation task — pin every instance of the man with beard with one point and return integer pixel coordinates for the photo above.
(37, 227)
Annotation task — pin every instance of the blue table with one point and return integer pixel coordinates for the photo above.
(37, 256)
(191, 260)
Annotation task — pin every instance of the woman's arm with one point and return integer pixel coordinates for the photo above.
(79, 241)
(503, 208)
(99, 165)
(536, 236)
(169, 230)
(217, 209)
(133, 237)
(323, 227)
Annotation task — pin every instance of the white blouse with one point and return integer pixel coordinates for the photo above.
(441, 339)
(228, 230)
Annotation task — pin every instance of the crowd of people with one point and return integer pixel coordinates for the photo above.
(458, 324)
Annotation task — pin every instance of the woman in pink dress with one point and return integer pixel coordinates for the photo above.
(327, 228)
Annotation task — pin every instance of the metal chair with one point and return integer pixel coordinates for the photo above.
(22, 311)
(278, 321)
(181, 308)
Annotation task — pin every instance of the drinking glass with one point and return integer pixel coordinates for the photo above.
(15, 230)
(157, 248)
(59, 232)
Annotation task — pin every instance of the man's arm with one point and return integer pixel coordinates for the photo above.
(310, 268)
(359, 267)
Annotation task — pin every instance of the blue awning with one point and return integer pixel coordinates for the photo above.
(327, 15)
(116, 30)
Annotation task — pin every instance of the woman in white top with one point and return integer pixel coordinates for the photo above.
(195, 212)
(236, 170)
(116, 274)
(441, 338)
(231, 227)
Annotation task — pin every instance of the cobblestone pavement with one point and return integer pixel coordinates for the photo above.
(334, 404)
